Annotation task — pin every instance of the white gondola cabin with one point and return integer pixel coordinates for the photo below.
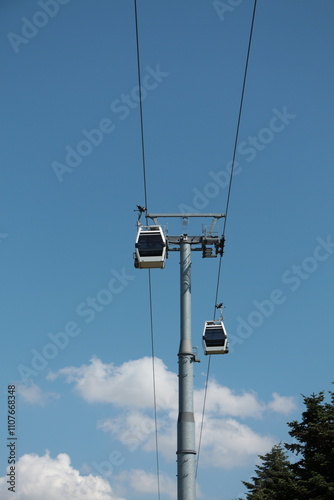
(214, 338)
(151, 249)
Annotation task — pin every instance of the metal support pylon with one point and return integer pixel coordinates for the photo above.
(186, 453)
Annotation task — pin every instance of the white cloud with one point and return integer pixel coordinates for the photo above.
(282, 404)
(131, 429)
(146, 483)
(167, 437)
(44, 478)
(222, 400)
(225, 443)
(33, 394)
(128, 385)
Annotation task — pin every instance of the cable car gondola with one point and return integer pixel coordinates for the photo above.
(150, 250)
(214, 338)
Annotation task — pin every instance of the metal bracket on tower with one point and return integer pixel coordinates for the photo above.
(210, 245)
(195, 358)
(140, 211)
(220, 307)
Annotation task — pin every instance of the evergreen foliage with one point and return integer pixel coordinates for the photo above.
(274, 479)
(312, 476)
(315, 447)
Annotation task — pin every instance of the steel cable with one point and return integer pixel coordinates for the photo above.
(226, 213)
(149, 271)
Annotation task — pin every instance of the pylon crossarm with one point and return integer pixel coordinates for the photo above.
(185, 216)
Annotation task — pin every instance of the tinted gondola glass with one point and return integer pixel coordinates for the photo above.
(214, 338)
(150, 248)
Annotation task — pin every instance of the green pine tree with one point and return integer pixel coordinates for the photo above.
(274, 478)
(312, 476)
(315, 447)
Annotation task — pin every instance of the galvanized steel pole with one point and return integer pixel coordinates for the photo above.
(186, 453)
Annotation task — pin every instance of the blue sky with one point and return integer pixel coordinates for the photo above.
(75, 312)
